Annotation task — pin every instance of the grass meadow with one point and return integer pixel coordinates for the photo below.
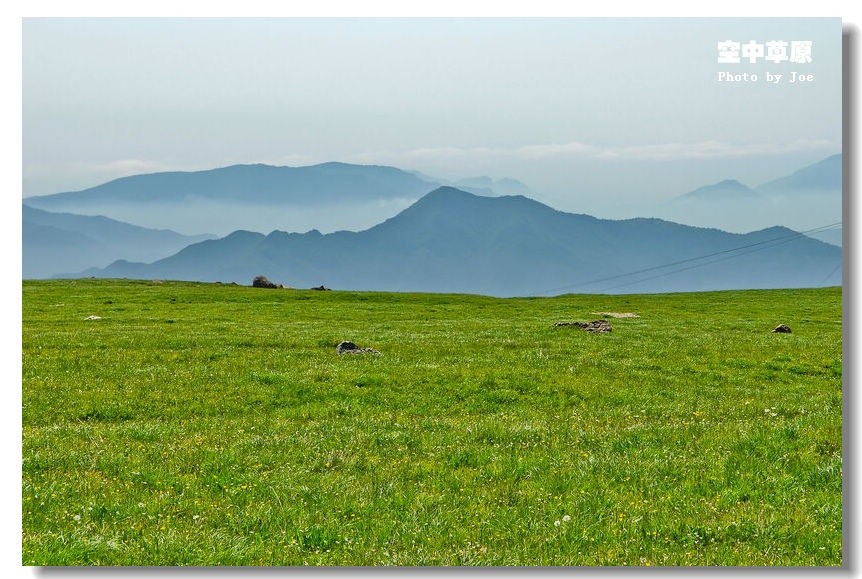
(210, 424)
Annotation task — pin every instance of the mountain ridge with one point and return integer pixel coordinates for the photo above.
(267, 183)
(329, 196)
(805, 199)
(823, 176)
(454, 241)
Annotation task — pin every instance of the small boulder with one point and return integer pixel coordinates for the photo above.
(782, 329)
(600, 326)
(346, 346)
(351, 348)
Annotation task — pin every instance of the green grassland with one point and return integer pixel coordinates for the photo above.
(208, 424)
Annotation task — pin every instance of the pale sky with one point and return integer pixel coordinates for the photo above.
(588, 112)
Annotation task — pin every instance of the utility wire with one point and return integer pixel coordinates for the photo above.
(795, 235)
(831, 273)
(779, 241)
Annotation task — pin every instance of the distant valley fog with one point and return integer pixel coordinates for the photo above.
(196, 217)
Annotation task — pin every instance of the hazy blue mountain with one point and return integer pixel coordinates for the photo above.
(802, 200)
(453, 241)
(48, 251)
(54, 243)
(252, 184)
(328, 196)
(824, 176)
(503, 186)
(727, 190)
(821, 177)
(485, 186)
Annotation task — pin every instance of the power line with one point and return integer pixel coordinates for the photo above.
(831, 273)
(779, 241)
(794, 235)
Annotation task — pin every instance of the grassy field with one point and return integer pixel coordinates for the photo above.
(208, 424)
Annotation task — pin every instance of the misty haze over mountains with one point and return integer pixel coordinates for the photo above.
(419, 233)
(62, 242)
(339, 196)
(807, 198)
(327, 197)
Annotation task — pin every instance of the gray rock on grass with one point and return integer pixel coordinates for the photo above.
(600, 326)
(347, 347)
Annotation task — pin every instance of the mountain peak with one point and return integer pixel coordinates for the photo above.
(726, 189)
(443, 200)
(447, 192)
(452, 199)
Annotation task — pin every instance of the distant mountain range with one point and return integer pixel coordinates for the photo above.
(804, 199)
(822, 177)
(466, 238)
(484, 186)
(61, 242)
(329, 196)
(454, 241)
(250, 184)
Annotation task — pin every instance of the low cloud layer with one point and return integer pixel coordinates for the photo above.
(575, 149)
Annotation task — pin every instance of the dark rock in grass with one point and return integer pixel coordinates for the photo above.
(782, 329)
(344, 347)
(601, 326)
(320, 288)
(262, 281)
(351, 348)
